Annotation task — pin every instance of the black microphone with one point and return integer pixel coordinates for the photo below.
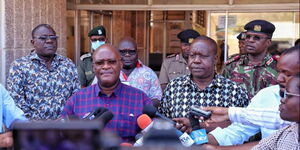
(151, 111)
(105, 117)
(95, 114)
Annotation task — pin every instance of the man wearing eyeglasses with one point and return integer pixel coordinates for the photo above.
(257, 69)
(41, 82)
(125, 102)
(136, 74)
(97, 38)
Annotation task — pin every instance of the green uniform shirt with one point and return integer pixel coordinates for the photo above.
(85, 70)
(174, 66)
(251, 77)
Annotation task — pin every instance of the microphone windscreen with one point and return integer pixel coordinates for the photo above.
(126, 144)
(144, 121)
(106, 117)
(150, 110)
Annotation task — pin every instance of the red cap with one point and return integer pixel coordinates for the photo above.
(143, 121)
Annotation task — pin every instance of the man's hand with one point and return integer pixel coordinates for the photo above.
(183, 124)
(209, 147)
(218, 114)
(6, 139)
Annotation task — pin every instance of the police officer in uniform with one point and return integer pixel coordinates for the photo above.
(175, 65)
(97, 38)
(241, 37)
(256, 69)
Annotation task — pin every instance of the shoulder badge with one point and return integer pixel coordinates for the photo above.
(276, 57)
(232, 59)
(85, 56)
(270, 61)
(172, 55)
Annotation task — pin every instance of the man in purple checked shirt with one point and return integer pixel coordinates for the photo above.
(125, 102)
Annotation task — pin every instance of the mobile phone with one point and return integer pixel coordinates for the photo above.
(197, 111)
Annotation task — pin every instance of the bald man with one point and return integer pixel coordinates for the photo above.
(135, 73)
(125, 102)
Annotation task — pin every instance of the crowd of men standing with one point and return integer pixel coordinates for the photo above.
(47, 86)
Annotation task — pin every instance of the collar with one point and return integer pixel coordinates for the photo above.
(116, 91)
(266, 61)
(180, 58)
(138, 64)
(216, 82)
(33, 56)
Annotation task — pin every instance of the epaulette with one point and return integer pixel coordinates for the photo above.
(84, 56)
(274, 57)
(233, 58)
(172, 55)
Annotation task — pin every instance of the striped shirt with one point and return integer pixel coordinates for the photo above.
(263, 117)
(126, 103)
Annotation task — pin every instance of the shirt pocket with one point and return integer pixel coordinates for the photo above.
(127, 125)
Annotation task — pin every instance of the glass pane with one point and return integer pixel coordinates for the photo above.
(183, 2)
(70, 34)
(114, 2)
(287, 28)
(84, 30)
(173, 43)
(264, 1)
(156, 45)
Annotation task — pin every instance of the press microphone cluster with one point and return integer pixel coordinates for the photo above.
(151, 111)
(100, 113)
(198, 135)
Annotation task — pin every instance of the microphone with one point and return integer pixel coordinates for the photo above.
(94, 114)
(198, 135)
(151, 111)
(185, 139)
(105, 117)
(145, 123)
(125, 144)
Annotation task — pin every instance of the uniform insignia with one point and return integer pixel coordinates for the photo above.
(88, 73)
(232, 59)
(243, 36)
(257, 28)
(85, 56)
(99, 32)
(191, 40)
(269, 61)
(172, 55)
(276, 57)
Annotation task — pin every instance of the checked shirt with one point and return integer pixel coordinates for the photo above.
(182, 92)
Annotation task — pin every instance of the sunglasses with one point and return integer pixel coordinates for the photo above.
(255, 37)
(46, 37)
(130, 52)
(97, 39)
(286, 94)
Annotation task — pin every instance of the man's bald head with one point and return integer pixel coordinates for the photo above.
(126, 41)
(107, 47)
(107, 66)
(212, 44)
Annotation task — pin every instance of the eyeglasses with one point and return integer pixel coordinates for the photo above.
(130, 52)
(111, 62)
(285, 94)
(98, 39)
(46, 37)
(255, 37)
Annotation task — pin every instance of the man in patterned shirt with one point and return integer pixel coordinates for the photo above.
(125, 102)
(136, 74)
(203, 87)
(41, 82)
(257, 69)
